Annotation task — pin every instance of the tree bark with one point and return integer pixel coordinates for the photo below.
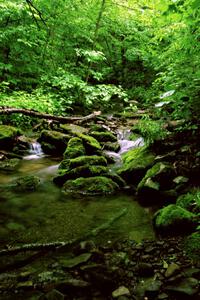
(61, 119)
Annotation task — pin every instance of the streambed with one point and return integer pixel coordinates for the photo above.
(46, 215)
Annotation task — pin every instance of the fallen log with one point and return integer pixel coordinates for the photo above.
(36, 114)
(61, 245)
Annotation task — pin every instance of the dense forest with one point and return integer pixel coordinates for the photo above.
(99, 149)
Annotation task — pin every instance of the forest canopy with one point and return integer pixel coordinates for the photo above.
(69, 56)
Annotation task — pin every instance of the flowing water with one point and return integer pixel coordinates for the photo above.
(45, 215)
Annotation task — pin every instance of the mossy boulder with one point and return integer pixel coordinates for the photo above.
(103, 137)
(110, 146)
(98, 185)
(74, 148)
(83, 160)
(9, 164)
(98, 127)
(192, 246)
(135, 164)
(53, 142)
(92, 146)
(8, 136)
(174, 219)
(190, 201)
(26, 183)
(81, 171)
(73, 129)
(157, 179)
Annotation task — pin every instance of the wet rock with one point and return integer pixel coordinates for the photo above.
(27, 183)
(53, 142)
(91, 145)
(121, 291)
(104, 136)
(172, 270)
(73, 129)
(72, 285)
(52, 295)
(173, 219)
(110, 146)
(149, 288)
(90, 186)
(74, 148)
(69, 164)
(185, 287)
(135, 164)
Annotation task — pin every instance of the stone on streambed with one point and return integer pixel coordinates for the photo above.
(74, 148)
(97, 185)
(26, 183)
(53, 142)
(135, 164)
(8, 136)
(9, 164)
(173, 219)
(157, 180)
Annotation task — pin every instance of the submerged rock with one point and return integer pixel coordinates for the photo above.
(9, 164)
(135, 164)
(173, 219)
(97, 185)
(26, 183)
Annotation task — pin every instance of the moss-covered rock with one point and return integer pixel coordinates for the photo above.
(81, 171)
(91, 145)
(104, 136)
(8, 135)
(26, 183)
(90, 160)
(109, 146)
(53, 142)
(192, 246)
(157, 179)
(135, 164)
(174, 219)
(9, 164)
(98, 185)
(98, 127)
(73, 129)
(190, 201)
(74, 148)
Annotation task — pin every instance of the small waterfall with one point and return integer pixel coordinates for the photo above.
(35, 151)
(125, 145)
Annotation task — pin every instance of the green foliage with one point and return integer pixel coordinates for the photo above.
(150, 129)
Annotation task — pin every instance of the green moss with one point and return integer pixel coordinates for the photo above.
(192, 246)
(110, 146)
(81, 171)
(172, 219)
(91, 160)
(135, 164)
(8, 135)
(90, 186)
(190, 201)
(90, 143)
(104, 136)
(9, 164)
(73, 129)
(74, 148)
(97, 127)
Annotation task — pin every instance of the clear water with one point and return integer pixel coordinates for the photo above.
(46, 216)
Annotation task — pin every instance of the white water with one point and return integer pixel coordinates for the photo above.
(35, 151)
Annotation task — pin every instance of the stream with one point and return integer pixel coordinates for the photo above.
(45, 215)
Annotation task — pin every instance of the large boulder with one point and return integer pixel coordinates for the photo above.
(91, 186)
(8, 136)
(73, 129)
(74, 148)
(135, 164)
(157, 180)
(103, 137)
(53, 142)
(83, 160)
(174, 219)
(92, 146)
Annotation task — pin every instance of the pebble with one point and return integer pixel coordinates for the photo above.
(121, 291)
